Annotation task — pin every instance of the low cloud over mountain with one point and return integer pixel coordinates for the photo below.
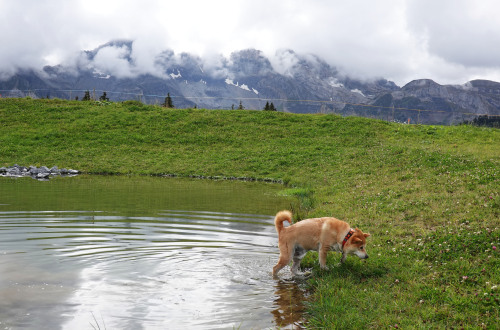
(295, 82)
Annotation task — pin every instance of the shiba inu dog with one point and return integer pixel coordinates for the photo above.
(318, 234)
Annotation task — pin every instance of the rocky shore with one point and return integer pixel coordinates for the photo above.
(39, 173)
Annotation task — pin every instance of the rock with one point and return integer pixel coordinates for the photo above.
(33, 170)
(44, 169)
(39, 173)
(14, 171)
(42, 175)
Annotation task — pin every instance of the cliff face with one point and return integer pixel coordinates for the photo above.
(293, 82)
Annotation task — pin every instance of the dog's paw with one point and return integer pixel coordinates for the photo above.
(304, 275)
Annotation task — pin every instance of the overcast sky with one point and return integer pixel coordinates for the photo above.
(449, 41)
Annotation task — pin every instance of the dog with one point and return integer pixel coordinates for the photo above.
(318, 234)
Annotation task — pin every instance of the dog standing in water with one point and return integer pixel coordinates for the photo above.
(318, 234)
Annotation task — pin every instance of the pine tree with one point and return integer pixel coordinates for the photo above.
(168, 102)
(272, 108)
(266, 108)
(103, 97)
(241, 107)
(86, 97)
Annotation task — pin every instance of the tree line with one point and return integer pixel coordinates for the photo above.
(168, 103)
(487, 121)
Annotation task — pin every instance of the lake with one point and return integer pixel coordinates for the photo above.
(120, 252)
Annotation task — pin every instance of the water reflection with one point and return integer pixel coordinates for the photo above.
(290, 298)
(165, 269)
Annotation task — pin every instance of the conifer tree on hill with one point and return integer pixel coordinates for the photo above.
(168, 102)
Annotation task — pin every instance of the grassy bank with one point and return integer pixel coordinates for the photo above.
(429, 195)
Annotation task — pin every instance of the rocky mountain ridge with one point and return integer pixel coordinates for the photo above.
(293, 82)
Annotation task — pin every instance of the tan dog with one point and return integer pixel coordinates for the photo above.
(318, 234)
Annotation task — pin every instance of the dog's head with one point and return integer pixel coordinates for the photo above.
(357, 244)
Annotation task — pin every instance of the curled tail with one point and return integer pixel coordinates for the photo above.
(280, 217)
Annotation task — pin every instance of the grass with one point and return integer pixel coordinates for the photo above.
(429, 195)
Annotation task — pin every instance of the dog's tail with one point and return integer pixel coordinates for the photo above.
(280, 217)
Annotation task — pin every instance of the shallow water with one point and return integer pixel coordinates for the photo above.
(142, 253)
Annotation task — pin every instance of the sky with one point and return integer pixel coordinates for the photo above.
(449, 41)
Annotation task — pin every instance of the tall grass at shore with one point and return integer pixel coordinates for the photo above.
(429, 195)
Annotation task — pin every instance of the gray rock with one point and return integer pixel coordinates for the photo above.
(44, 169)
(14, 171)
(33, 170)
(40, 173)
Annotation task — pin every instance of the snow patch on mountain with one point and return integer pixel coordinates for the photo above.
(335, 83)
(358, 91)
(175, 76)
(242, 86)
(99, 74)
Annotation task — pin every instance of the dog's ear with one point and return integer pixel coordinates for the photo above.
(356, 240)
(366, 235)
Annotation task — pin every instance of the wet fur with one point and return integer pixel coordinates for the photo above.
(318, 234)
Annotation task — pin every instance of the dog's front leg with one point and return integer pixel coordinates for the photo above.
(323, 250)
(344, 256)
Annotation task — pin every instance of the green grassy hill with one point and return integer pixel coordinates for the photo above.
(429, 195)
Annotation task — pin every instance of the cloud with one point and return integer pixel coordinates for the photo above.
(458, 31)
(114, 60)
(448, 41)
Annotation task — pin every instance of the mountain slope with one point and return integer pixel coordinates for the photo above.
(293, 82)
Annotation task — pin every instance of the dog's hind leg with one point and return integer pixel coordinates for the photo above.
(298, 254)
(285, 256)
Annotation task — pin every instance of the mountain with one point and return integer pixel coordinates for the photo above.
(293, 82)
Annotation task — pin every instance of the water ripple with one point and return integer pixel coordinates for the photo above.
(209, 269)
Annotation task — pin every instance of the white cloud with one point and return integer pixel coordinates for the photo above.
(114, 60)
(459, 31)
(450, 41)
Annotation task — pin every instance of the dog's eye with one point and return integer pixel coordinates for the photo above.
(361, 248)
